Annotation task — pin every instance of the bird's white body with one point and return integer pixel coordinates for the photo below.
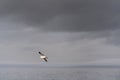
(42, 57)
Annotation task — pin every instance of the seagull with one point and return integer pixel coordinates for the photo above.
(42, 56)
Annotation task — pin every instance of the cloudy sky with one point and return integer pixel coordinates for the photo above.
(67, 31)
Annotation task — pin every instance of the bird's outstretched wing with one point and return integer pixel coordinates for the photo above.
(45, 59)
(41, 53)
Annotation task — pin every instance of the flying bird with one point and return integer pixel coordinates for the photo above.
(42, 56)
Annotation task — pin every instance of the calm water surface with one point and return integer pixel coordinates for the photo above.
(59, 73)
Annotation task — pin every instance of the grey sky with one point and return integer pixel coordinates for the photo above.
(74, 31)
(65, 15)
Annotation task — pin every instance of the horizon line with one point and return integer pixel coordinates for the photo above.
(57, 66)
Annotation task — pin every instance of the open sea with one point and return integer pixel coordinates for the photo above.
(59, 73)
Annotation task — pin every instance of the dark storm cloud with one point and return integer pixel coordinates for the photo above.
(64, 15)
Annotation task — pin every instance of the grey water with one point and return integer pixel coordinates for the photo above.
(59, 73)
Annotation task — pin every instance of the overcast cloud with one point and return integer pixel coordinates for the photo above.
(68, 31)
(65, 15)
